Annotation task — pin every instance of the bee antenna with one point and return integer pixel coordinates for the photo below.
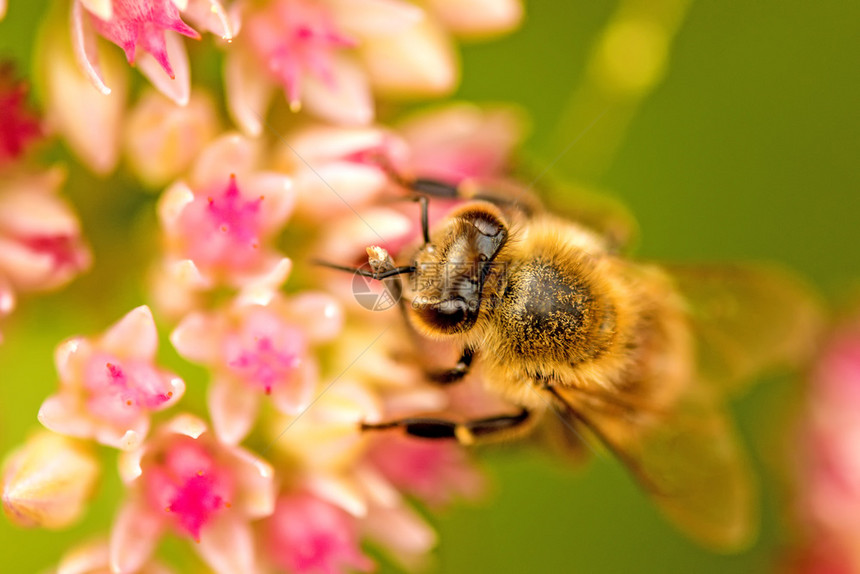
(363, 272)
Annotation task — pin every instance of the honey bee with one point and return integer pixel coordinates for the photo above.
(583, 341)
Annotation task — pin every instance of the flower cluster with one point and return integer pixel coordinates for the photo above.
(273, 472)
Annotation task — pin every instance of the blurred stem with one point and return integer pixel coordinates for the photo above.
(627, 62)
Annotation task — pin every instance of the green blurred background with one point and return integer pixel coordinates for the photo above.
(746, 150)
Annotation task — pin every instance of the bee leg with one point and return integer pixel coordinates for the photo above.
(456, 373)
(465, 433)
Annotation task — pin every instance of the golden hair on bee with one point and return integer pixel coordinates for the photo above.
(586, 344)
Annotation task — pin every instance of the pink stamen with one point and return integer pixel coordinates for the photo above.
(195, 502)
(265, 365)
(231, 214)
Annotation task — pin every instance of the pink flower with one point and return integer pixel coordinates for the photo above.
(434, 471)
(109, 385)
(148, 32)
(184, 480)
(218, 225)
(41, 247)
(18, 126)
(307, 535)
(256, 351)
(307, 49)
(830, 476)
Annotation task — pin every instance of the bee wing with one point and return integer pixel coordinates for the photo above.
(689, 461)
(602, 213)
(748, 319)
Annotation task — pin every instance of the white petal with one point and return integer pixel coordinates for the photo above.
(261, 288)
(69, 357)
(198, 338)
(233, 409)
(84, 41)
(133, 537)
(294, 397)
(62, 414)
(2, 9)
(320, 315)
(332, 142)
(210, 15)
(180, 4)
(248, 90)
(100, 8)
(134, 336)
(186, 424)
(120, 438)
(255, 483)
(347, 100)
(177, 88)
(478, 17)
(88, 120)
(85, 558)
(228, 155)
(338, 186)
(373, 16)
(227, 545)
(338, 491)
(418, 61)
(128, 464)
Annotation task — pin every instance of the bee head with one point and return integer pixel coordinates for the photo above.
(450, 271)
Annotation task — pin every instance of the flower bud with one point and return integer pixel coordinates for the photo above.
(47, 481)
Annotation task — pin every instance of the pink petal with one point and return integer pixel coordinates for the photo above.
(232, 408)
(248, 90)
(2, 9)
(228, 155)
(295, 396)
(345, 100)
(84, 42)
(198, 338)
(320, 315)
(227, 545)
(62, 414)
(478, 17)
(255, 483)
(177, 88)
(418, 61)
(133, 337)
(133, 537)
